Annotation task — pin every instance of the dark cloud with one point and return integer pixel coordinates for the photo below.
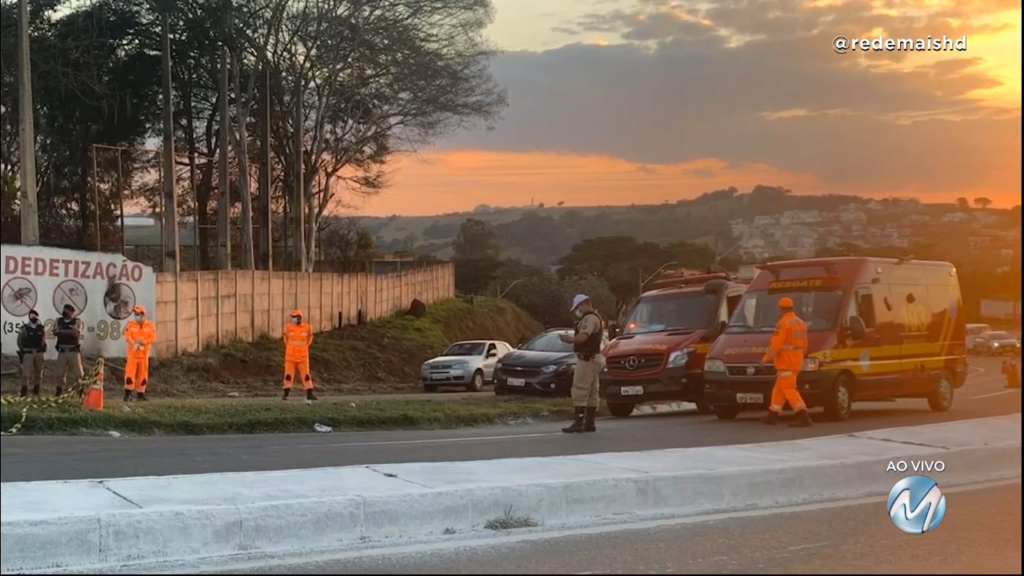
(758, 81)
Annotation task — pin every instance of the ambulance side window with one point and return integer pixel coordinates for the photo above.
(863, 305)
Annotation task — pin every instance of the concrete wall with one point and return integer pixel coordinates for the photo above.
(197, 310)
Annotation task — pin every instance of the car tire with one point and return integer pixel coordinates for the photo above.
(726, 412)
(620, 410)
(941, 398)
(840, 405)
(499, 392)
(703, 407)
(477, 383)
(430, 388)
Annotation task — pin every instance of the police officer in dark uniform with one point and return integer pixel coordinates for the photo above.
(68, 330)
(31, 348)
(587, 342)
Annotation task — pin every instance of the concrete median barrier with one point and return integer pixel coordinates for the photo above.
(103, 525)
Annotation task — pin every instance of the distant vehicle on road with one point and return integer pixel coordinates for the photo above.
(878, 329)
(996, 344)
(468, 364)
(543, 366)
(973, 331)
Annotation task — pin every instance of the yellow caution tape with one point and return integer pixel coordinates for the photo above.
(95, 377)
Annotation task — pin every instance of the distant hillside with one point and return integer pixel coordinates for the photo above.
(540, 235)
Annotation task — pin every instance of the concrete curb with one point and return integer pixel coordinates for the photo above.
(123, 531)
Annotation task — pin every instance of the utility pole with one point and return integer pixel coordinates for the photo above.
(224, 203)
(172, 246)
(29, 204)
(266, 206)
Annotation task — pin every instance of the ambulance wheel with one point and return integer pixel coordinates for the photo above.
(726, 412)
(620, 410)
(430, 388)
(477, 384)
(941, 399)
(840, 405)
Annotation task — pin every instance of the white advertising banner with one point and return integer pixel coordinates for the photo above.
(103, 288)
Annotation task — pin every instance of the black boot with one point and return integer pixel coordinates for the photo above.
(771, 418)
(310, 397)
(35, 390)
(803, 420)
(127, 395)
(588, 423)
(24, 392)
(578, 424)
(141, 396)
(60, 392)
(287, 392)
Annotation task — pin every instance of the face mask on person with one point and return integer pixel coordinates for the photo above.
(296, 320)
(33, 320)
(138, 317)
(579, 313)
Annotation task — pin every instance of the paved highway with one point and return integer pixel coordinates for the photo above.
(65, 458)
(980, 535)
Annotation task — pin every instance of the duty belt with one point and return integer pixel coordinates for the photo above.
(69, 348)
(31, 351)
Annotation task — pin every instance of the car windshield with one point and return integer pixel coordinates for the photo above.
(758, 311)
(465, 349)
(998, 336)
(547, 342)
(673, 311)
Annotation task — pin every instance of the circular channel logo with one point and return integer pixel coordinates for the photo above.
(916, 505)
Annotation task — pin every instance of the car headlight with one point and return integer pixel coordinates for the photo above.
(679, 358)
(714, 365)
(995, 344)
(497, 365)
(811, 365)
(551, 368)
(460, 365)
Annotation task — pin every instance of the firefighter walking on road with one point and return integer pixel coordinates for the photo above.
(298, 337)
(788, 347)
(586, 378)
(140, 334)
(68, 331)
(31, 349)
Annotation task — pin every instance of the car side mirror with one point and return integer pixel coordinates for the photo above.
(856, 329)
(613, 330)
(716, 331)
(492, 354)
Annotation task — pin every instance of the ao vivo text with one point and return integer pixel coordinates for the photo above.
(916, 466)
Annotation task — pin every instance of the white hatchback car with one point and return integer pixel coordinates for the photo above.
(468, 364)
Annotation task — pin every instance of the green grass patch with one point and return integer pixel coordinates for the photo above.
(206, 417)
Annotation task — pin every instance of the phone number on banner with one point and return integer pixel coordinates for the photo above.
(104, 329)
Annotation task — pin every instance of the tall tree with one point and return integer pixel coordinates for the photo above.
(982, 202)
(476, 240)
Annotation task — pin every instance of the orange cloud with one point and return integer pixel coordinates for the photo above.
(459, 180)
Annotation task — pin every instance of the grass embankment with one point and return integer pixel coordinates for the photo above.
(229, 390)
(206, 417)
(376, 358)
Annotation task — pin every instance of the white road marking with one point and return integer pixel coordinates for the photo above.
(422, 441)
(293, 559)
(994, 394)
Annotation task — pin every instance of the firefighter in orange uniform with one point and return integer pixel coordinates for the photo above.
(789, 344)
(298, 337)
(140, 334)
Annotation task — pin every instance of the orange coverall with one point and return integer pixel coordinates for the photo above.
(140, 336)
(297, 340)
(789, 344)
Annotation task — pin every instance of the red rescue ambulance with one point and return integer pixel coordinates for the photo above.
(658, 355)
(877, 329)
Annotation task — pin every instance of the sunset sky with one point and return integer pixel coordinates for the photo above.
(643, 101)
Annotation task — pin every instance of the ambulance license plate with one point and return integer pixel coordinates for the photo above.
(632, 391)
(516, 382)
(750, 398)
(438, 377)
